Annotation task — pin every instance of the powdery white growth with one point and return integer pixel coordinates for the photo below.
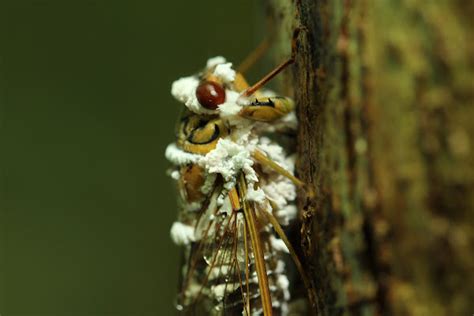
(221, 198)
(275, 152)
(229, 109)
(182, 234)
(184, 90)
(179, 157)
(228, 159)
(229, 112)
(191, 290)
(246, 138)
(277, 188)
(214, 61)
(257, 196)
(193, 206)
(221, 289)
(290, 121)
(226, 206)
(225, 72)
(278, 244)
(220, 271)
(280, 266)
(291, 162)
(175, 175)
(284, 284)
(280, 191)
(230, 106)
(286, 214)
(208, 183)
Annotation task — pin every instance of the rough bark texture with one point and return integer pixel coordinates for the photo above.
(385, 91)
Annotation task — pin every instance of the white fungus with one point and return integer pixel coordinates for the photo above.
(278, 244)
(229, 159)
(193, 206)
(214, 61)
(289, 121)
(179, 157)
(280, 266)
(230, 106)
(226, 206)
(280, 191)
(175, 175)
(208, 185)
(284, 284)
(257, 196)
(225, 72)
(182, 234)
(275, 152)
(286, 214)
(221, 289)
(229, 110)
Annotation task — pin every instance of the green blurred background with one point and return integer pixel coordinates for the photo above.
(86, 114)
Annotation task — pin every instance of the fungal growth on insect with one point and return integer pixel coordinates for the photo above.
(236, 187)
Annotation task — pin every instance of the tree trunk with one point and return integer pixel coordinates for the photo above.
(385, 95)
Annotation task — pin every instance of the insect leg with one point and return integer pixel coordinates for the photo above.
(265, 161)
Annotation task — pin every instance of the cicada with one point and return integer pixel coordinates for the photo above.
(236, 189)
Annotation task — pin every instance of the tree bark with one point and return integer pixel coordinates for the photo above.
(385, 96)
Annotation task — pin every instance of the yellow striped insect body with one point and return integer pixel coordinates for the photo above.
(236, 187)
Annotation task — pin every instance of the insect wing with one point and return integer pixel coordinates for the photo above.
(213, 273)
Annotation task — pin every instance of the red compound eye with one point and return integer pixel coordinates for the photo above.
(210, 94)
